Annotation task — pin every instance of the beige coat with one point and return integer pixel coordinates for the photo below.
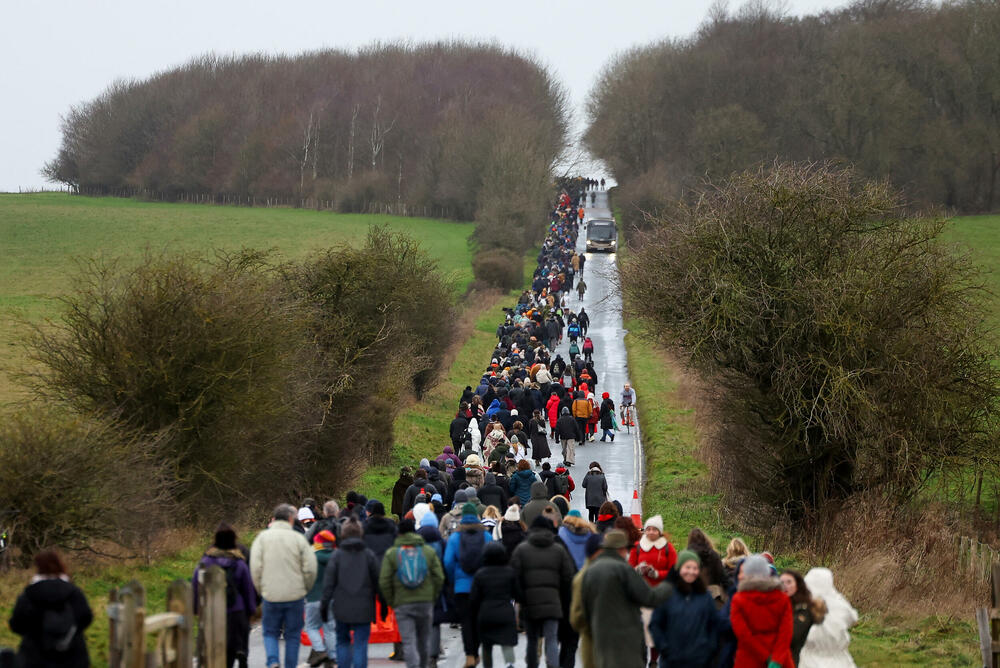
(282, 564)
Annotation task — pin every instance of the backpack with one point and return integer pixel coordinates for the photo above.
(411, 566)
(470, 550)
(559, 485)
(573, 330)
(58, 628)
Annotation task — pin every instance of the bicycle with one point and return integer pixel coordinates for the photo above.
(628, 417)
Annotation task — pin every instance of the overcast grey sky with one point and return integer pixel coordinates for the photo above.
(57, 53)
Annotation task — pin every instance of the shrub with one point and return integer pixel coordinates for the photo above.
(847, 337)
(499, 268)
(71, 482)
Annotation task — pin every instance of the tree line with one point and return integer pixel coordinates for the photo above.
(904, 90)
(472, 129)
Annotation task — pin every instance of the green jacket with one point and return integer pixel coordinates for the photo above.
(322, 558)
(612, 593)
(394, 591)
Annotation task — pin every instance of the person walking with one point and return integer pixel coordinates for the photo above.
(350, 584)
(685, 626)
(652, 558)
(806, 609)
(761, 618)
(828, 642)
(494, 587)
(582, 412)
(612, 593)
(51, 615)
(538, 503)
(521, 482)
(588, 347)
(607, 417)
(324, 651)
(462, 558)
(411, 580)
(283, 568)
(511, 530)
(595, 486)
(225, 554)
(577, 616)
(537, 433)
(545, 572)
(568, 433)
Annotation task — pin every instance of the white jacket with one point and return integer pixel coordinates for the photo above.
(282, 564)
(477, 436)
(827, 643)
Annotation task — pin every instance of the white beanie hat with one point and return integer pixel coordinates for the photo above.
(655, 521)
(419, 510)
(513, 513)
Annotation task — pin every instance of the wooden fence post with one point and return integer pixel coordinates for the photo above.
(114, 630)
(212, 617)
(988, 623)
(133, 646)
(179, 600)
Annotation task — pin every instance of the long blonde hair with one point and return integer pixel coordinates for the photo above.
(736, 550)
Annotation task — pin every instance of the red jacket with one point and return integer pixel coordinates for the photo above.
(661, 555)
(761, 615)
(552, 408)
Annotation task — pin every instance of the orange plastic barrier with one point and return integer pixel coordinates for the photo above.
(382, 631)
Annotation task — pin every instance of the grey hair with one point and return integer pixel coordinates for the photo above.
(284, 511)
(331, 509)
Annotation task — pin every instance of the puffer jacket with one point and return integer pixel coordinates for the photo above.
(761, 616)
(520, 486)
(545, 571)
(539, 502)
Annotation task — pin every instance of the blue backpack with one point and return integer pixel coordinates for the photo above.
(411, 566)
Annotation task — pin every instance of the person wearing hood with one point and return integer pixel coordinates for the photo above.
(652, 558)
(449, 523)
(350, 583)
(595, 485)
(475, 474)
(380, 531)
(493, 408)
(323, 649)
(806, 609)
(612, 594)
(521, 482)
(462, 558)
(574, 533)
(445, 603)
(552, 410)
(51, 591)
(568, 433)
(459, 425)
(828, 642)
(399, 490)
(448, 455)
(607, 413)
(510, 531)
(421, 485)
(545, 572)
(685, 626)
(761, 618)
(413, 602)
(492, 494)
(539, 501)
(561, 483)
(494, 589)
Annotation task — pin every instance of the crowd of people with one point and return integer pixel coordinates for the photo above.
(483, 537)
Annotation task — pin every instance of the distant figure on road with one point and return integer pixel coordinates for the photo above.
(283, 568)
(581, 287)
(602, 184)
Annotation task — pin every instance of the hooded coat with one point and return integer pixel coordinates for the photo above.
(246, 599)
(380, 533)
(761, 617)
(607, 414)
(393, 590)
(493, 588)
(452, 555)
(574, 533)
(50, 593)
(449, 454)
(492, 494)
(685, 626)
(545, 572)
(596, 486)
(398, 492)
(612, 594)
(552, 409)
(827, 643)
(351, 582)
(539, 501)
(520, 486)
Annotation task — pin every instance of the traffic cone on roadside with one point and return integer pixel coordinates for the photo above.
(636, 510)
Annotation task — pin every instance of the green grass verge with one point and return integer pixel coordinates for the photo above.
(45, 235)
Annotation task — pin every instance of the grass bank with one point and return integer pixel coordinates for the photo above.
(46, 235)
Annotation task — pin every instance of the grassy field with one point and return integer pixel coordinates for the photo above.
(981, 236)
(45, 235)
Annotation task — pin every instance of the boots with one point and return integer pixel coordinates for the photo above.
(316, 659)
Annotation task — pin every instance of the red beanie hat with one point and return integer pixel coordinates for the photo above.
(605, 396)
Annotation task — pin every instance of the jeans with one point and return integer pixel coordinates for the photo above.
(506, 650)
(287, 615)
(608, 432)
(415, 621)
(314, 623)
(549, 629)
(352, 655)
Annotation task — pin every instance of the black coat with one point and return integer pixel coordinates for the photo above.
(493, 589)
(351, 582)
(538, 432)
(26, 621)
(410, 498)
(566, 428)
(457, 430)
(398, 492)
(607, 414)
(380, 534)
(493, 494)
(545, 571)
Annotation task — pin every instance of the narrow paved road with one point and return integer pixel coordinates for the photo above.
(620, 460)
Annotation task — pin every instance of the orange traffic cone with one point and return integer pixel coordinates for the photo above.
(636, 510)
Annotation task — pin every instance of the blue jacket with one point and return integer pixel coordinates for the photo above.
(576, 543)
(520, 485)
(452, 563)
(685, 628)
